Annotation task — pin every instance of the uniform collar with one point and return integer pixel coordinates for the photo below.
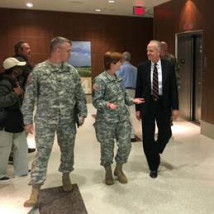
(112, 77)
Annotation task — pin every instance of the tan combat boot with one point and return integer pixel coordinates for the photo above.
(119, 173)
(34, 197)
(66, 182)
(109, 178)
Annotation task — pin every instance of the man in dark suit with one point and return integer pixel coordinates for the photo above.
(156, 83)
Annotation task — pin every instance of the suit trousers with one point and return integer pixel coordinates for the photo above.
(154, 147)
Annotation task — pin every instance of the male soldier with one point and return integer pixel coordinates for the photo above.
(55, 87)
(164, 54)
(171, 58)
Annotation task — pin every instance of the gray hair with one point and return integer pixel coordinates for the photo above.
(126, 56)
(158, 45)
(58, 42)
(18, 47)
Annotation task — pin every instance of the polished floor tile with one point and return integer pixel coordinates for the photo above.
(185, 183)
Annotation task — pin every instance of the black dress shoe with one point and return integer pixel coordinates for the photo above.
(153, 174)
(10, 160)
(30, 150)
(133, 139)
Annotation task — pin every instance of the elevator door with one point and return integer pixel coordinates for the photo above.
(189, 56)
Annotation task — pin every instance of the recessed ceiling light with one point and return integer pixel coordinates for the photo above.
(29, 4)
(111, 1)
(97, 10)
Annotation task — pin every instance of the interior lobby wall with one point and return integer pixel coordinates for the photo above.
(184, 16)
(115, 33)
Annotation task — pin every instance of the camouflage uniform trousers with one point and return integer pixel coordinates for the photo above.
(45, 134)
(106, 133)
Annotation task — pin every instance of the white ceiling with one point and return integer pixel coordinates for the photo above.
(120, 7)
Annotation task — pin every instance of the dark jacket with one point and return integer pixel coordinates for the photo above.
(27, 69)
(11, 103)
(143, 87)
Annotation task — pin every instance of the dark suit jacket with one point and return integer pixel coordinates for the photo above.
(143, 87)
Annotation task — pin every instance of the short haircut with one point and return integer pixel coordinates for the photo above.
(58, 42)
(18, 47)
(164, 45)
(157, 43)
(111, 57)
(126, 56)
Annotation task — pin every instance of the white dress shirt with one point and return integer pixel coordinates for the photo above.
(159, 68)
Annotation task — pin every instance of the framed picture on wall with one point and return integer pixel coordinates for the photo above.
(81, 59)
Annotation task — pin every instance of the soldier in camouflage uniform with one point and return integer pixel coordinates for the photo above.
(171, 58)
(55, 86)
(112, 119)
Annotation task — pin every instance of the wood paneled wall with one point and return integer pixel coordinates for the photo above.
(105, 33)
(186, 15)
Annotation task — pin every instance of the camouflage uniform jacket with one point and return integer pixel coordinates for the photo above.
(107, 88)
(169, 57)
(56, 89)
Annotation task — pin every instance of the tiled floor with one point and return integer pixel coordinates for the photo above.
(185, 184)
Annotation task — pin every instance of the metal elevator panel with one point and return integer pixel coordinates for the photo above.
(189, 57)
(184, 58)
(197, 71)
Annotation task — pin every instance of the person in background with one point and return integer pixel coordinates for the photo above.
(112, 119)
(156, 83)
(171, 58)
(23, 53)
(55, 87)
(12, 134)
(128, 73)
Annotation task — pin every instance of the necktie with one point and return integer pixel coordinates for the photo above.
(155, 89)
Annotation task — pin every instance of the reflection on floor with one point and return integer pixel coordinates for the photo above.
(185, 184)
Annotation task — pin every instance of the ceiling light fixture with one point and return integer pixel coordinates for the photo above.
(111, 1)
(98, 10)
(29, 4)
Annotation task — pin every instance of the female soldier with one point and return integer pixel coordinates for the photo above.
(112, 119)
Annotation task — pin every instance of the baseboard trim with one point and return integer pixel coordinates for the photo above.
(207, 129)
